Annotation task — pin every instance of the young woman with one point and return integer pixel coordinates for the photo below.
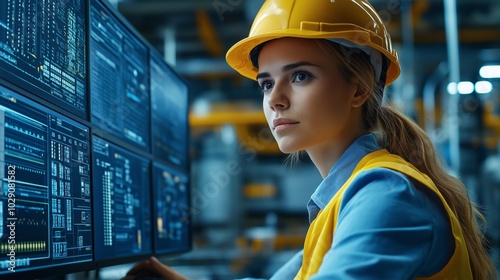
(386, 208)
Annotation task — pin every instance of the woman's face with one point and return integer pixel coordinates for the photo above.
(306, 100)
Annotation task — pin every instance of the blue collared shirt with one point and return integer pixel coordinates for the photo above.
(387, 227)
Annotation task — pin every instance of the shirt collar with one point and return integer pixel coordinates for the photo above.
(341, 171)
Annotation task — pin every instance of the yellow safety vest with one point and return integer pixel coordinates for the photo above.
(321, 231)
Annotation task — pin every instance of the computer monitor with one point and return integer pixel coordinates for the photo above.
(169, 103)
(43, 50)
(171, 196)
(122, 203)
(45, 199)
(119, 85)
(76, 152)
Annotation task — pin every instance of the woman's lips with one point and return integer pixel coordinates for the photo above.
(281, 124)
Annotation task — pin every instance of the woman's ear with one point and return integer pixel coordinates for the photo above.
(360, 96)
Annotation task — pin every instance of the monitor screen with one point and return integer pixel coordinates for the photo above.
(169, 103)
(42, 50)
(45, 200)
(122, 202)
(171, 210)
(119, 85)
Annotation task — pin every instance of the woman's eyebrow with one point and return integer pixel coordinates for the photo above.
(292, 66)
(286, 68)
(263, 75)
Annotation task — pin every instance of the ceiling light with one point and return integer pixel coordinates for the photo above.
(465, 87)
(490, 71)
(452, 88)
(484, 87)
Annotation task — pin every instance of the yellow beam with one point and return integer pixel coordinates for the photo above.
(227, 117)
(208, 34)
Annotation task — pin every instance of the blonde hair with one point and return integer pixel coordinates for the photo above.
(403, 137)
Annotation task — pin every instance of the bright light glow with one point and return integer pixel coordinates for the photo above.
(484, 87)
(465, 87)
(452, 88)
(490, 71)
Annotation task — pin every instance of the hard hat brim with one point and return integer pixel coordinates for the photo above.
(238, 56)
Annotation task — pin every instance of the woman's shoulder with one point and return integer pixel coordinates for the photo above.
(382, 179)
(389, 189)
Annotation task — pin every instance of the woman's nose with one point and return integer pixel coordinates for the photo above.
(278, 99)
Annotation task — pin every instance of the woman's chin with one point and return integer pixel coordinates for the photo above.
(286, 148)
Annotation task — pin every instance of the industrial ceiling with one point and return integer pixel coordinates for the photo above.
(193, 35)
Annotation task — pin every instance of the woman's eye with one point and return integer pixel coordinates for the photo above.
(301, 76)
(265, 86)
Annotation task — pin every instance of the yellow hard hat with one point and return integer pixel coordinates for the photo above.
(353, 21)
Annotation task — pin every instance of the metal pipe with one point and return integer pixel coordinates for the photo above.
(429, 96)
(452, 43)
(408, 59)
(169, 45)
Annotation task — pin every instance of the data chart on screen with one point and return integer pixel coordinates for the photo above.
(43, 50)
(169, 94)
(119, 82)
(171, 210)
(122, 197)
(45, 199)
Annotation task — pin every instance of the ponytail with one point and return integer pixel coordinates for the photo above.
(401, 136)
